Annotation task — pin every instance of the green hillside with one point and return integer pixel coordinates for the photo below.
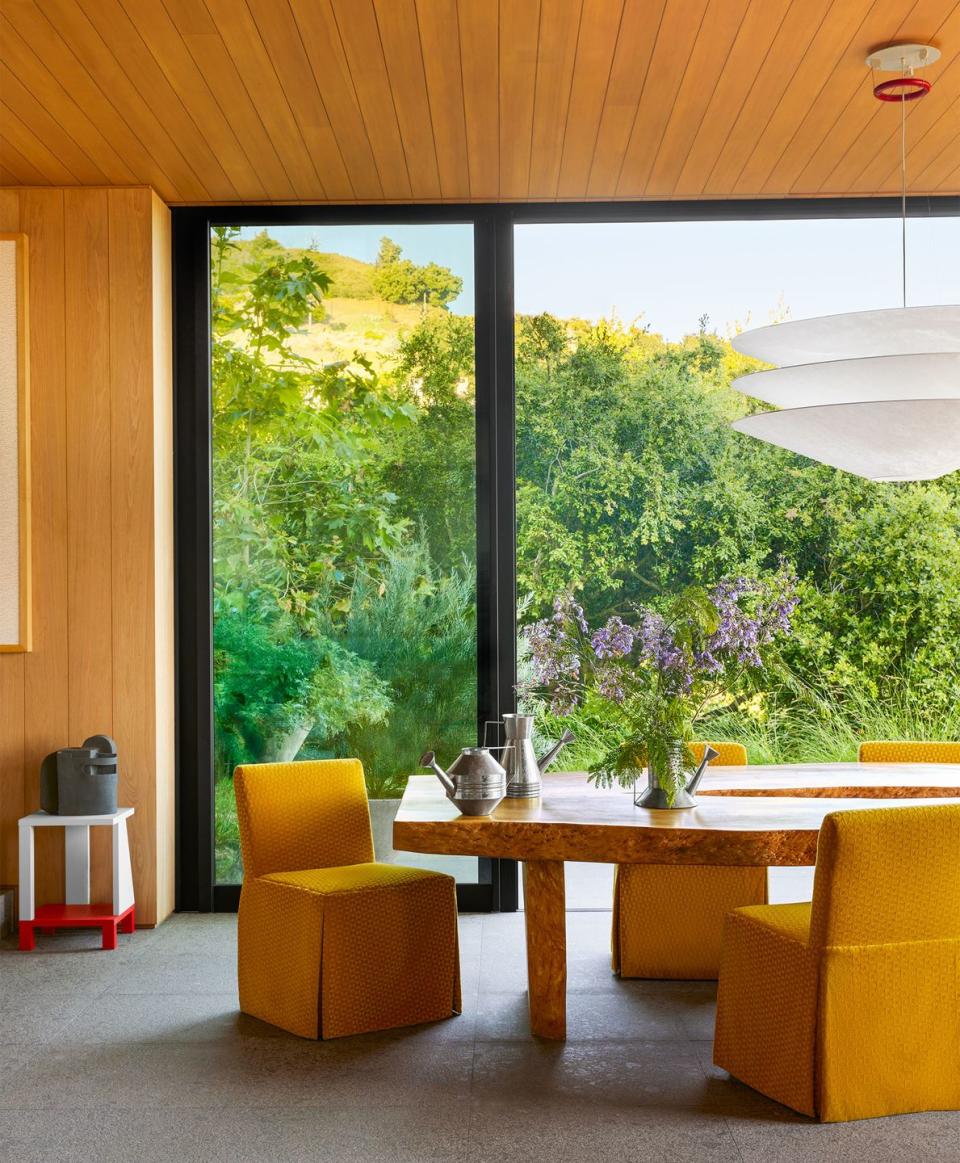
(354, 320)
(352, 279)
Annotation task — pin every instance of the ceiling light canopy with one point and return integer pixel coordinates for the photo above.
(875, 393)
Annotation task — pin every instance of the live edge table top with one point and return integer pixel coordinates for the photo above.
(758, 815)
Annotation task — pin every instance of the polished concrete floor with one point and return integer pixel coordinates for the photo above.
(141, 1055)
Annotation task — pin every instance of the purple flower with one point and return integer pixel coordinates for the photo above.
(615, 640)
(610, 681)
(663, 658)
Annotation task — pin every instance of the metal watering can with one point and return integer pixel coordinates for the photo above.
(655, 797)
(524, 769)
(475, 783)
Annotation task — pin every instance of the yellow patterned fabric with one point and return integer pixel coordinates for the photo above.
(882, 751)
(887, 875)
(668, 918)
(329, 942)
(729, 754)
(767, 1002)
(849, 1008)
(302, 815)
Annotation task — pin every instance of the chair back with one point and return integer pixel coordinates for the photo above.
(908, 751)
(730, 754)
(302, 815)
(887, 875)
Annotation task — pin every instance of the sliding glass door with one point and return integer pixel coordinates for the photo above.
(632, 486)
(383, 470)
(329, 594)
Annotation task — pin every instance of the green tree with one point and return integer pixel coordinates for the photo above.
(431, 467)
(398, 280)
(296, 509)
(389, 252)
(632, 485)
(419, 623)
(274, 686)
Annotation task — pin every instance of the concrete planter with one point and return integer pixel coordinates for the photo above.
(382, 813)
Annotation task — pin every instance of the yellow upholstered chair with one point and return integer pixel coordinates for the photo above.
(890, 751)
(668, 918)
(329, 942)
(849, 1007)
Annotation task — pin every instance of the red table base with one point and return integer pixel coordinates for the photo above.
(51, 917)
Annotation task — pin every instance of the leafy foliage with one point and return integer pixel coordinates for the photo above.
(296, 511)
(632, 486)
(419, 623)
(350, 278)
(270, 680)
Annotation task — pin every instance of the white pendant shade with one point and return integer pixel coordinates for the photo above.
(874, 393)
(886, 440)
(850, 381)
(855, 335)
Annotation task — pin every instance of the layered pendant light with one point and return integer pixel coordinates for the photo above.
(875, 393)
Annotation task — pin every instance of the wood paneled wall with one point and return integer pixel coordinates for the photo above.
(101, 440)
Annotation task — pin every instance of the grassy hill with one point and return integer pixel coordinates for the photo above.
(352, 278)
(354, 319)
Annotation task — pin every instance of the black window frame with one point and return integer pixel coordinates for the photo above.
(493, 226)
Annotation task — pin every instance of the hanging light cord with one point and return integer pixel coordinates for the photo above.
(903, 194)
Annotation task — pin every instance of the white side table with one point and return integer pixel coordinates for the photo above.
(77, 911)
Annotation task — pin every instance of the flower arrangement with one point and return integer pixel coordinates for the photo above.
(662, 671)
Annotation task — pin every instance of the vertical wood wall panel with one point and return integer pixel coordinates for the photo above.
(102, 523)
(46, 676)
(131, 442)
(11, 681)
(88, 450)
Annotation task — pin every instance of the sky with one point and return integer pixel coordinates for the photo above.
(668, 275)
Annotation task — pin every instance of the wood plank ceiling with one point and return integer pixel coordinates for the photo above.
(455, 100)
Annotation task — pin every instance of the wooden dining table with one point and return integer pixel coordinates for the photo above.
(758, 815)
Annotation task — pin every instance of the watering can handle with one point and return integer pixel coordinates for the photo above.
(486, 724)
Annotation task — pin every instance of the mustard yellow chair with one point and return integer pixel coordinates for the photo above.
(668, 918)
(331, 943)
(849, 1007)
(884, 751)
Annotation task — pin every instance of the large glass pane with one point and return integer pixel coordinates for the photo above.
(343, 507)
(631, 484)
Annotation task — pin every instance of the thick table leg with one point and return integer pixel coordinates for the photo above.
(545, 906)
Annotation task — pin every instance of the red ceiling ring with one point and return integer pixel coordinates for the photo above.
(902, 89)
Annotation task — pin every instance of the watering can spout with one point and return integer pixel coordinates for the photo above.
(428, 759)
(709, 754)
(545, 760)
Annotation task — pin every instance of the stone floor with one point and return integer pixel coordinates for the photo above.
(141, 1055)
